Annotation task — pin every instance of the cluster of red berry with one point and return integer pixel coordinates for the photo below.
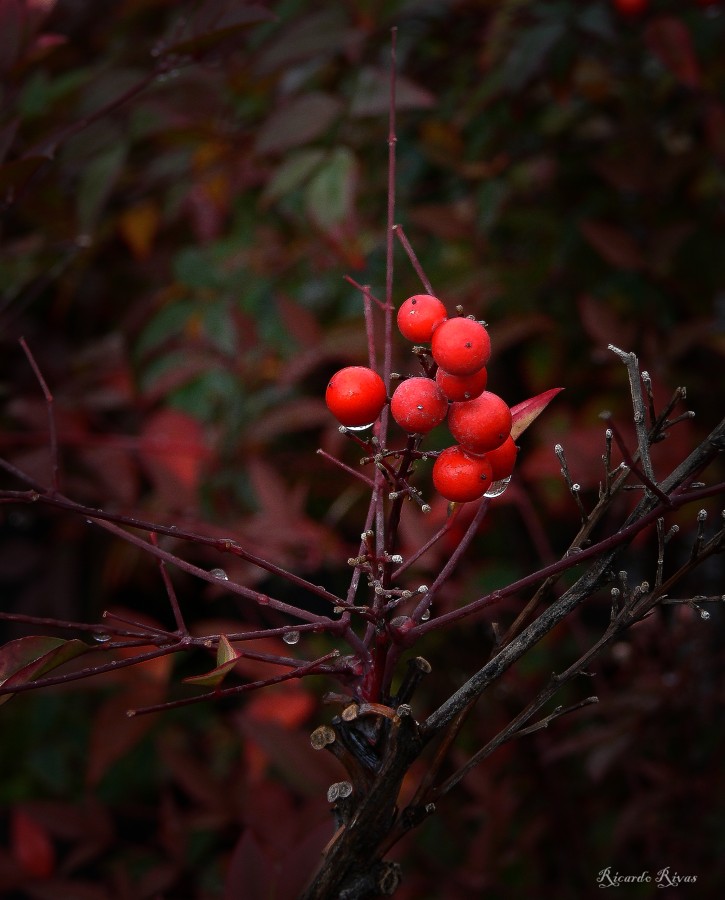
(453, 387)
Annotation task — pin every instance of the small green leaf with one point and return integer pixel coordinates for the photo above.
(27, 659)
(225, 652)
(226, 658)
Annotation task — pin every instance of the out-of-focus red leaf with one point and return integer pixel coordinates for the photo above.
(15, 173)
(603, 325)
(297, 122)
(310, 36)
(7, 136)
(715, 128)
(114, 733)
(249, 871)
(173, 450)
(290, 753)
(115, 470)
(671, 42)
(287, 704)
(12, 26)
(524, 413)
(214, 23)
(612, 244)
(31, 845)
(299, 322)
(28, 658)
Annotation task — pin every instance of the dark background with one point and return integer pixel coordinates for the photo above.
(174, 242)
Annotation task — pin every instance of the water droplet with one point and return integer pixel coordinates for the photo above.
(359, 427)
(498, 487)
(220, 574)
(291, 637)
(704, 614)
(101, 638)
(426, 615)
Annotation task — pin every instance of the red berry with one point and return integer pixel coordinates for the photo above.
(418, 405)
(461, 346)
(503, 459)
(460, 477)
(481, 424)
(355, 396)
(462, 387)
(419, 316)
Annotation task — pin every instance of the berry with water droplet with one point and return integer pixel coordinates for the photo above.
(419, 316)
(461, 346)
(481, 424)
(503, 459)
(355, 396)
(418, 405)
(460, 477)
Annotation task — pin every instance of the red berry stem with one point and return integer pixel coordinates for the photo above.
(400, 234)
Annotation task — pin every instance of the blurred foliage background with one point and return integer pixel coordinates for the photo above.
(183, 187)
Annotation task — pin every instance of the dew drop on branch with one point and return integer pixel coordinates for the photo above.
(220, 574)
(498, 487)
(101, 638)
(291, 637)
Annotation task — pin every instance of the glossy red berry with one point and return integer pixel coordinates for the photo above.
(461, 346)
(462, 387)
(481, 424)
(418, 405)
(355, 396)
(460, 477)
(419, 316)
(503, 459)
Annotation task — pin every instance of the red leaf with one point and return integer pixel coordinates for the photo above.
(290, 705)
(173, 450)
(669, 39)
(612, 244)
(249, 871)
(524, 413)
(603, 325)
(31, 845)
(12, 26)
(27, 658)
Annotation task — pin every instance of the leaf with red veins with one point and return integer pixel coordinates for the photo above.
(524, 413)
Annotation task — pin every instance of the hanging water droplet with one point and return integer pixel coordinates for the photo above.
(291, 637)
(704, 614)
(220, 574)
(426, 615)
(359, 427)
(498, 487)
(101, 638)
